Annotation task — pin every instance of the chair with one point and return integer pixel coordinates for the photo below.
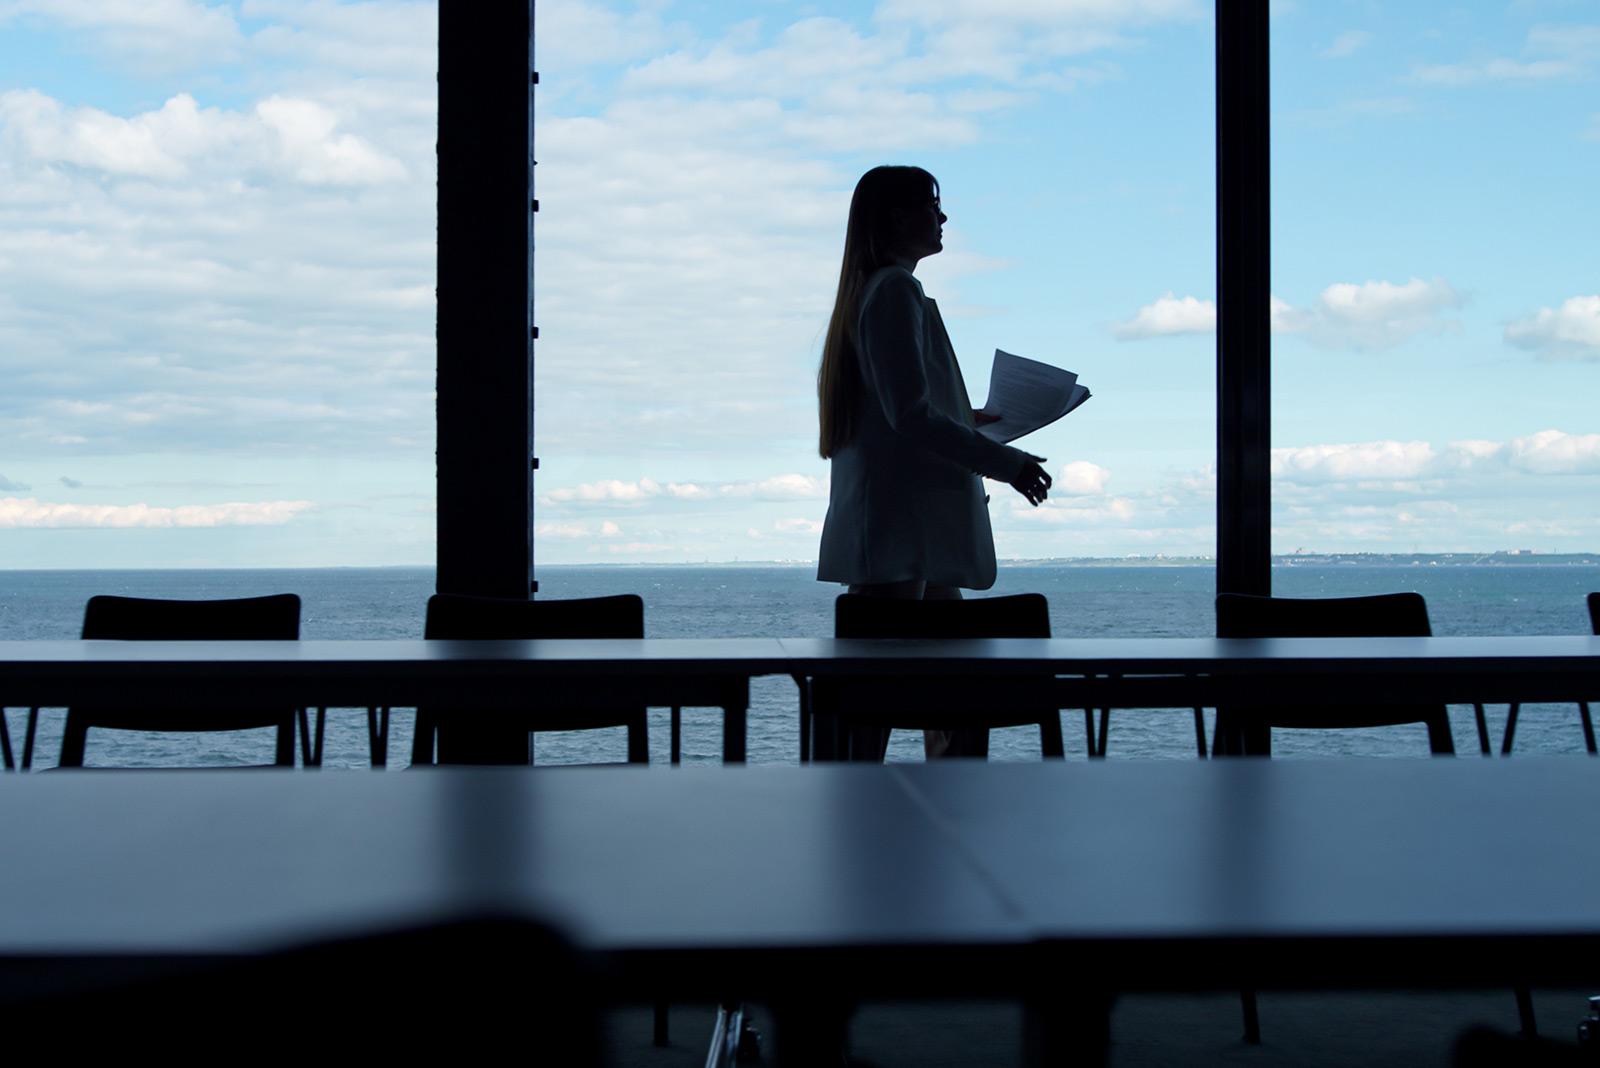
(1583, 706)
(271, 618)
(1391, 615)
(863, 710)
(460, 736)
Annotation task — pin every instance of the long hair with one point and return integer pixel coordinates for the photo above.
(871, 237)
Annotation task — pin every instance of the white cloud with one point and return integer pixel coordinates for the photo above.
(792, 487)
(1495, 70)
(1580, 43)
(544, 529)
(788, 487)
(1347, 44)
(153, 34)
(8, 486)
(315, 152)
(294, 137)
(570, 531)
(27, 512)
(1168, 315)
(1076, 511)
(1371, 460)
(1415, 465)
(1550, 53)
(1553, 452)
(1080, 478)
(1366, 315)
(1372, 314)
(1573, 329)
(798, 526)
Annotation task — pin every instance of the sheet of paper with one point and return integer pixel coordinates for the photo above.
(1027, 395)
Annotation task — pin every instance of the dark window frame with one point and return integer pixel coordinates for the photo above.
(486, 327)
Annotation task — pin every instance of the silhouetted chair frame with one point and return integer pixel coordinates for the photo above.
(1584, 718)
(271, 618)
(444, 736)
(840, 704)
(1389, 615)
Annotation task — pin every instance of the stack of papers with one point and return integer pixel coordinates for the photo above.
(1027, 395)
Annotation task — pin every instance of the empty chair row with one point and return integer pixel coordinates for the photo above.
(845, 718)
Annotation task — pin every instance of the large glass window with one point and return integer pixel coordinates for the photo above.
(695, 170)
(1436, 326)
(216, 313)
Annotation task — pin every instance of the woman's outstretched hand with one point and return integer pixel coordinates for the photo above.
(1033, 481)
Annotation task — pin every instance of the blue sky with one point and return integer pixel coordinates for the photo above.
(216, 265)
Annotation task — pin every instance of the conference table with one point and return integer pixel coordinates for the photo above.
(1038, 882)
(1082, 672)
(750, 883)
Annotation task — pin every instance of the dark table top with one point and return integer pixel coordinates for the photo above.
(630, 858)
(1486, 655)
(913, 874)
(1433, 871)
(756, 656)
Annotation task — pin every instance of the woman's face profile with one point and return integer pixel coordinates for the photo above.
(922, 228)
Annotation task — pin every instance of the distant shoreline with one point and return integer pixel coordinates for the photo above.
(1385, 560)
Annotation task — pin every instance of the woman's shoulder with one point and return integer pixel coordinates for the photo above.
(891, 279)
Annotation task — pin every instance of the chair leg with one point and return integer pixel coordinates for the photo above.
(1051, 745)
(1511, 728)
(638, 729)
(29, 733)
(675, 735)
(321, 731)
(658, 1034)
(1483, 730)
(1252, 1016)
(74, 740)
(1588, 727)
(1105, 731)
(1200, 732)
(803, 684)
(378, 736)
(283, 751)
(1088, 731)
(303, 726)
(1525, 1018)
(423, 737)
(7, 760)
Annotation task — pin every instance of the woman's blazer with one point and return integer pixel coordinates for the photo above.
(906, 500)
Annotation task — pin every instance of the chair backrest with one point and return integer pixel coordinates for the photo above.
(271, 618)
(1594, 612)
(495, 738)
(457, 616)
(1389, 615)
(276, 617)
(955, 703)
(1022, 615)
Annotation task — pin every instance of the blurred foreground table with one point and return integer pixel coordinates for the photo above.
(899, 881)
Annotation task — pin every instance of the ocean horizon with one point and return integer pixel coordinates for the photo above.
(1506, 594)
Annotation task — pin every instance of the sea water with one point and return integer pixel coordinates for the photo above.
(774, 601)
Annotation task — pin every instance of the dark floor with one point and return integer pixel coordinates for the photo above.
(1417, 1030)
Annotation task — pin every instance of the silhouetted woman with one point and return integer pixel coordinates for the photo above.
(907, 515)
